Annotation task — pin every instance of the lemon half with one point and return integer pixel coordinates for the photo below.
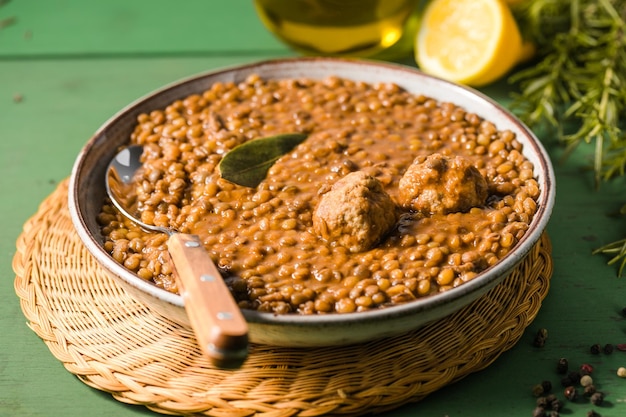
(473, 42)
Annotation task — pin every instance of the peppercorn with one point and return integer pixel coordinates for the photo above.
(554, 413)
(592, 413)
(547, 386)
(621, 346)
(542, 402)
(550, 398)
(539, 412)
(589, 390)
(562, 366)
(566, 381)
(624, 311)
(586, 380)
(540, 338)
(621, 372)
(608, 349)
(595, 349)
(597, 398)
(556, 404)
(586, 369)
(571, 393)
(574, 376)
(538, 390)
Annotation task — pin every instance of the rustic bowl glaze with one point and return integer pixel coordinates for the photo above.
(87, 192)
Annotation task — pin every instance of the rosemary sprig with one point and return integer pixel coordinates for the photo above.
(577, 87)
(618, 250)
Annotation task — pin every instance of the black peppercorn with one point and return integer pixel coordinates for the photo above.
(556, 404)
(589, 390)
(542, 402)
(571, 393)
(574, 376)
(539, 412)
(597, 398)
(554, 413)
(624, 311)
(608, 349)
(540, 338)
(547, 386)
(595, 349)
(566, 381)
(592, 413)
(562, 366)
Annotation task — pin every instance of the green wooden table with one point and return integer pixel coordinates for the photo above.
(67, 65)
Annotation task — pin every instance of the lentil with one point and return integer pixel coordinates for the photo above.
(264, 238)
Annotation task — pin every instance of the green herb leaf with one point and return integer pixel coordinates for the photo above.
(577, 88)
(248, 163)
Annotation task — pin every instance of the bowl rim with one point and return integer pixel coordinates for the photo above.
(485, 279)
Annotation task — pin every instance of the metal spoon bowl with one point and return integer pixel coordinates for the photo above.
(217, 321)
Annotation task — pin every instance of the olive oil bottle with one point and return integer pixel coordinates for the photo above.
(360, 28)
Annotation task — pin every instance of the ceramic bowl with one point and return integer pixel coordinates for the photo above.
(87, 192)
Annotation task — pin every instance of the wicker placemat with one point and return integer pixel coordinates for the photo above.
(117, 345)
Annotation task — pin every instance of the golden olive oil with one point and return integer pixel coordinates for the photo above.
(337, 27)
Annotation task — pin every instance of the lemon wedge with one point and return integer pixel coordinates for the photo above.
(472, 42)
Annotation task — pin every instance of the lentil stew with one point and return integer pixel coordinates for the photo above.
(265, 240)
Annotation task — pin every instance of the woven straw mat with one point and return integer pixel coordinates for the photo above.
(114, 344)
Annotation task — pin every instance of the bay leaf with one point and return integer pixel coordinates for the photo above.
(248, 163)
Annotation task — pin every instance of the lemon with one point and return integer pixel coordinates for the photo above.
(473, 42)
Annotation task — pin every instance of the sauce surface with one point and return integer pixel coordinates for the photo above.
(263, 239)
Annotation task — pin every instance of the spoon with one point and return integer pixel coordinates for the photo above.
(215, 318)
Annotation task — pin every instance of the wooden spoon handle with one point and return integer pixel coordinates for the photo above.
(217, 321)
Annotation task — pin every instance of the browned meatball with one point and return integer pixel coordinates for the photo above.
(440, 184)
(355, 213)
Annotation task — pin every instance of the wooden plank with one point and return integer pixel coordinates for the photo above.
(135, 28)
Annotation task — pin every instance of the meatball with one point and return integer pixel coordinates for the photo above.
(440, 184)
(355, 213)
